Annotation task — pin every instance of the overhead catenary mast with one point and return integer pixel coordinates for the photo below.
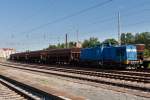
(77, 36)
(66, 40)
(78, 44)
(119, 30)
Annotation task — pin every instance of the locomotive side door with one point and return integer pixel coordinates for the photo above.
(120, 52)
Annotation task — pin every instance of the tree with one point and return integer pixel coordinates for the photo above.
(111, 41)
(137, 38)
(27, 50)
(52, 47)
(90, 42)
(72, 44)
(129, 38)
(123, 39)
(143, 38)
(61, 45)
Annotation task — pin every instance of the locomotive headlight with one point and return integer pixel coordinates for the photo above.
(126, 62)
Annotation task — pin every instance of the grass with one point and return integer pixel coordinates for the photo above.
(149, 65)
(44, 81)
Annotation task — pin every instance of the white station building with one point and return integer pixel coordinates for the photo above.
(6, 52)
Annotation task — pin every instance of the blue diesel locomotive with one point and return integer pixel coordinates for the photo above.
(123, 56)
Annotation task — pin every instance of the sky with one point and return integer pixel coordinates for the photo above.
(34, 24)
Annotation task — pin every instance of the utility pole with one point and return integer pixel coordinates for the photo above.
(58, 39)
(77, 36)
(66, 40)
(119, 31)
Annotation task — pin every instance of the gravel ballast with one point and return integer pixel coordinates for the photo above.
(71, 86)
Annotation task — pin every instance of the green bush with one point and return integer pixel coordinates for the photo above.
(146, 53)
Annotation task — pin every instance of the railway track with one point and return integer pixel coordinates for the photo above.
(140, 72)
(116, 74)
(13, 90)
(128, 79)
(7, 93)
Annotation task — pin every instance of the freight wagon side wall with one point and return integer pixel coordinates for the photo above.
(140, 51)
(59, 55)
